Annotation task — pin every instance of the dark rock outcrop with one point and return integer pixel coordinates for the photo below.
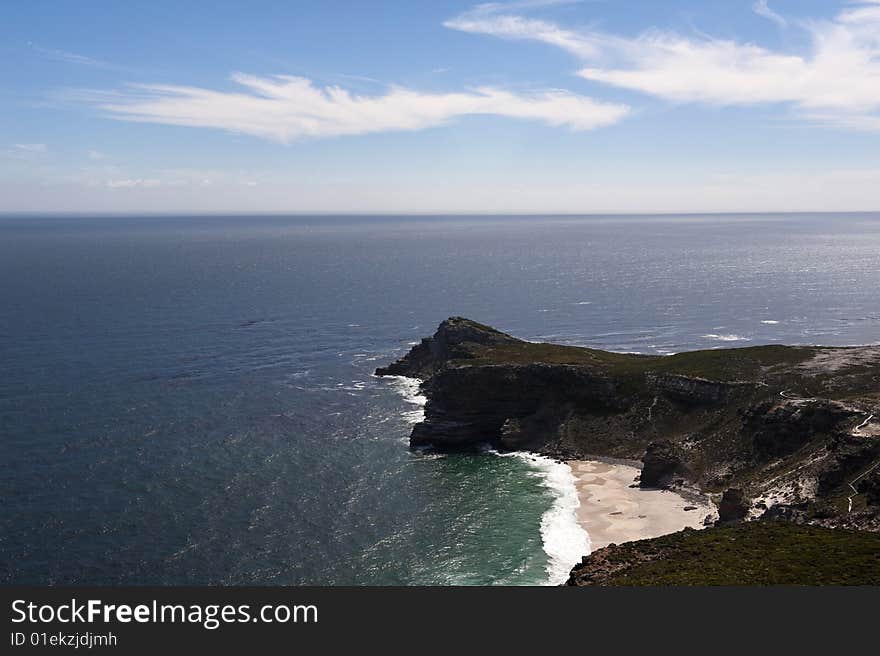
(453, 340)
(734, 506)
(689, 389)
(796, 512)
(870, 487)
(848, 457)
(471, 405)
(661, 463)
(781, 428)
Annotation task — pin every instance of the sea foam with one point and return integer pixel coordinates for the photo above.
(410, 390)
(727, 338)
(565, 541)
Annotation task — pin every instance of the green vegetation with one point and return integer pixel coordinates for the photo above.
(529, 353)
(750, 363)
(774, 366)
(755, 553)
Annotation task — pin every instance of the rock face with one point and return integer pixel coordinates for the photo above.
(662, 462)
(530, 399)
(693, 390)
(454, 339)
(734, 506)
(717, 419)
(780, 429)
(870, 487)
(848, 457)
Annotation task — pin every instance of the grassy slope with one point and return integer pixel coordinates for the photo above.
(722, 364)
(756, 553)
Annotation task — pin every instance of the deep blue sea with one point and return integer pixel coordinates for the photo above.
(190, 400)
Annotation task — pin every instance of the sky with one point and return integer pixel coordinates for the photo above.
(529, 106)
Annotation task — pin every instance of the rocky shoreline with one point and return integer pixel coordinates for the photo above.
(772, 432)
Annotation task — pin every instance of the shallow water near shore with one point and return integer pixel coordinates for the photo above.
(191, 399)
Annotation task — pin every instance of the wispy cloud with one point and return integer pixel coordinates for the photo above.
(837, 82)
(25, 151)
(130, 183)
(763, 9)
(31, 148)
(493, 19)
(68, 57)
(161, 180)
(284, 108)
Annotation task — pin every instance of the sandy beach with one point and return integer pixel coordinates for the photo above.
(612, 511)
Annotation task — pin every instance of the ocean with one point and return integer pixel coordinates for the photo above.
(190, 400)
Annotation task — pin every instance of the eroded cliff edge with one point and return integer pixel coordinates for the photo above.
(785, 431)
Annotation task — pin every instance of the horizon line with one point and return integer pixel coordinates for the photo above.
(333, 213)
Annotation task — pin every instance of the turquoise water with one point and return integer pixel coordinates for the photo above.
(191, 399)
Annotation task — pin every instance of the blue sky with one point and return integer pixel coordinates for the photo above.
(530, 106)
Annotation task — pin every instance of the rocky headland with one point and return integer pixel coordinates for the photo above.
(787, 433)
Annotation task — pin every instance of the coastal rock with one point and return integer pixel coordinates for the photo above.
(662, 462)
(604, 564)
(512, 406)
(748, 553)
(734, 506)
(785, 512)
(450, 341)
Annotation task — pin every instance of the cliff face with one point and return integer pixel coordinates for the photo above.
(506, 404)
(455, 339)
(689, 389)
(779, 423)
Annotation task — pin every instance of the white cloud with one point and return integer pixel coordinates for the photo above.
(32, 148)
(762, 9)
(67, 57)
(25, 152)
(129, 183)
(836, 82)
(96, 155)
(284, 108)
(486, 19)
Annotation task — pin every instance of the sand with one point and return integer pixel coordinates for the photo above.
(612, 511)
